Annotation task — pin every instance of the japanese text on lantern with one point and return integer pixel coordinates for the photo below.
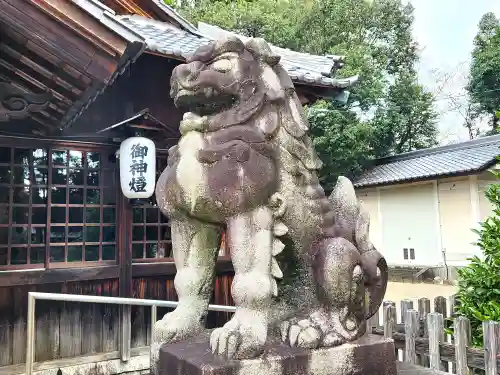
(138, 168)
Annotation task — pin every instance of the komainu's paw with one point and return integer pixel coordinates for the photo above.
(177, 325)
(316, 331)
(236, 340)
(301, 333)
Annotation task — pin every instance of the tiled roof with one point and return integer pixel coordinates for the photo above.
(466, 157)
(163, 37)
(312, 69)
(172, 13)
(172, 41)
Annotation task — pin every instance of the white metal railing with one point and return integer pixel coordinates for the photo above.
(124, 342)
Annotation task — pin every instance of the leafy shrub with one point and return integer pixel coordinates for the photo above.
(478, 296)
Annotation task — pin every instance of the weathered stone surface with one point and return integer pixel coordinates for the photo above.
(369, 355)
(304, 264)
(409, 369)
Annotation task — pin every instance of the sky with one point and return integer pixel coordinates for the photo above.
(445, 30)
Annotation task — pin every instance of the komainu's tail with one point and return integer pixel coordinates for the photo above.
(353, 223)
(352, 220)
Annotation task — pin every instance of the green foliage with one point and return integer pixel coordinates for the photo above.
(344, 143)
(407, 121)
(478, 294)
(387, 112)
(484, 81)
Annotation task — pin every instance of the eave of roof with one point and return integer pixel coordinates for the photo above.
(457, 159)
(136, 46)
(71, 49)
(107, 17)
(92, 93)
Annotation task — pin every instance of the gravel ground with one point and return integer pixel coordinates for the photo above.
(399, 291)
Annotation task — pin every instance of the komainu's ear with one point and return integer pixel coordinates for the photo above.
(259, 48)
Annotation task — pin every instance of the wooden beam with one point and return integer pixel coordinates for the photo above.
(42, 120)
(18, 104)
(62, 275)
(28, 62)
(27, 24)
(84, 25)
(124, 245)
(58, 39)
(44, 123)
(53, 276)
(32, 80)
(44, 57)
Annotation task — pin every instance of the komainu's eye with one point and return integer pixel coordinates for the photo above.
(223, 65)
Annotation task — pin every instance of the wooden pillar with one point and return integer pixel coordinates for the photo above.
(124, 244)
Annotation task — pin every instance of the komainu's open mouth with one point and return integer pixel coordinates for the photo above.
(207, 101)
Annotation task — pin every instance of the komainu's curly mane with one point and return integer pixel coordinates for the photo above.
(293, 126)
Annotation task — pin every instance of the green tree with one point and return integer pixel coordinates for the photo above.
(407, 121)
(375, 36)
(479, 282)
(484, 83)
(344, 143)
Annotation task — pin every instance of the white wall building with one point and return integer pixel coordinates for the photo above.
(423, 204)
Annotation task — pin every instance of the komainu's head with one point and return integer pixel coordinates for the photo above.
(226, 72)
(227, 83)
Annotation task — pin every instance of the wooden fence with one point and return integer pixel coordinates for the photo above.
(420, 337)
(66, 332)
(417, 327)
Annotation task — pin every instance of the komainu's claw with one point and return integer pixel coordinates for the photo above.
(302, 334)
(311, 333)
(176, 326)
(237, 341)
(309, 338)
(293, 335)
(284, 330)
(224, 342)
(332, 339)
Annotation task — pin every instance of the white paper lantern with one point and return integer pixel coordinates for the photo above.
(137, 167)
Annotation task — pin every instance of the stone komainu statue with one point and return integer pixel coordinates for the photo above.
(245, 164)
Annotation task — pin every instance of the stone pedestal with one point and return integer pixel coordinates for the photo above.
(370, 355)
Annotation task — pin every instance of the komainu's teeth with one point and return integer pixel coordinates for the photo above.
(275, 269)
(274, 285)
(278, 247)
(280, 229)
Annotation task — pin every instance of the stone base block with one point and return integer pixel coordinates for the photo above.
(370, 355)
